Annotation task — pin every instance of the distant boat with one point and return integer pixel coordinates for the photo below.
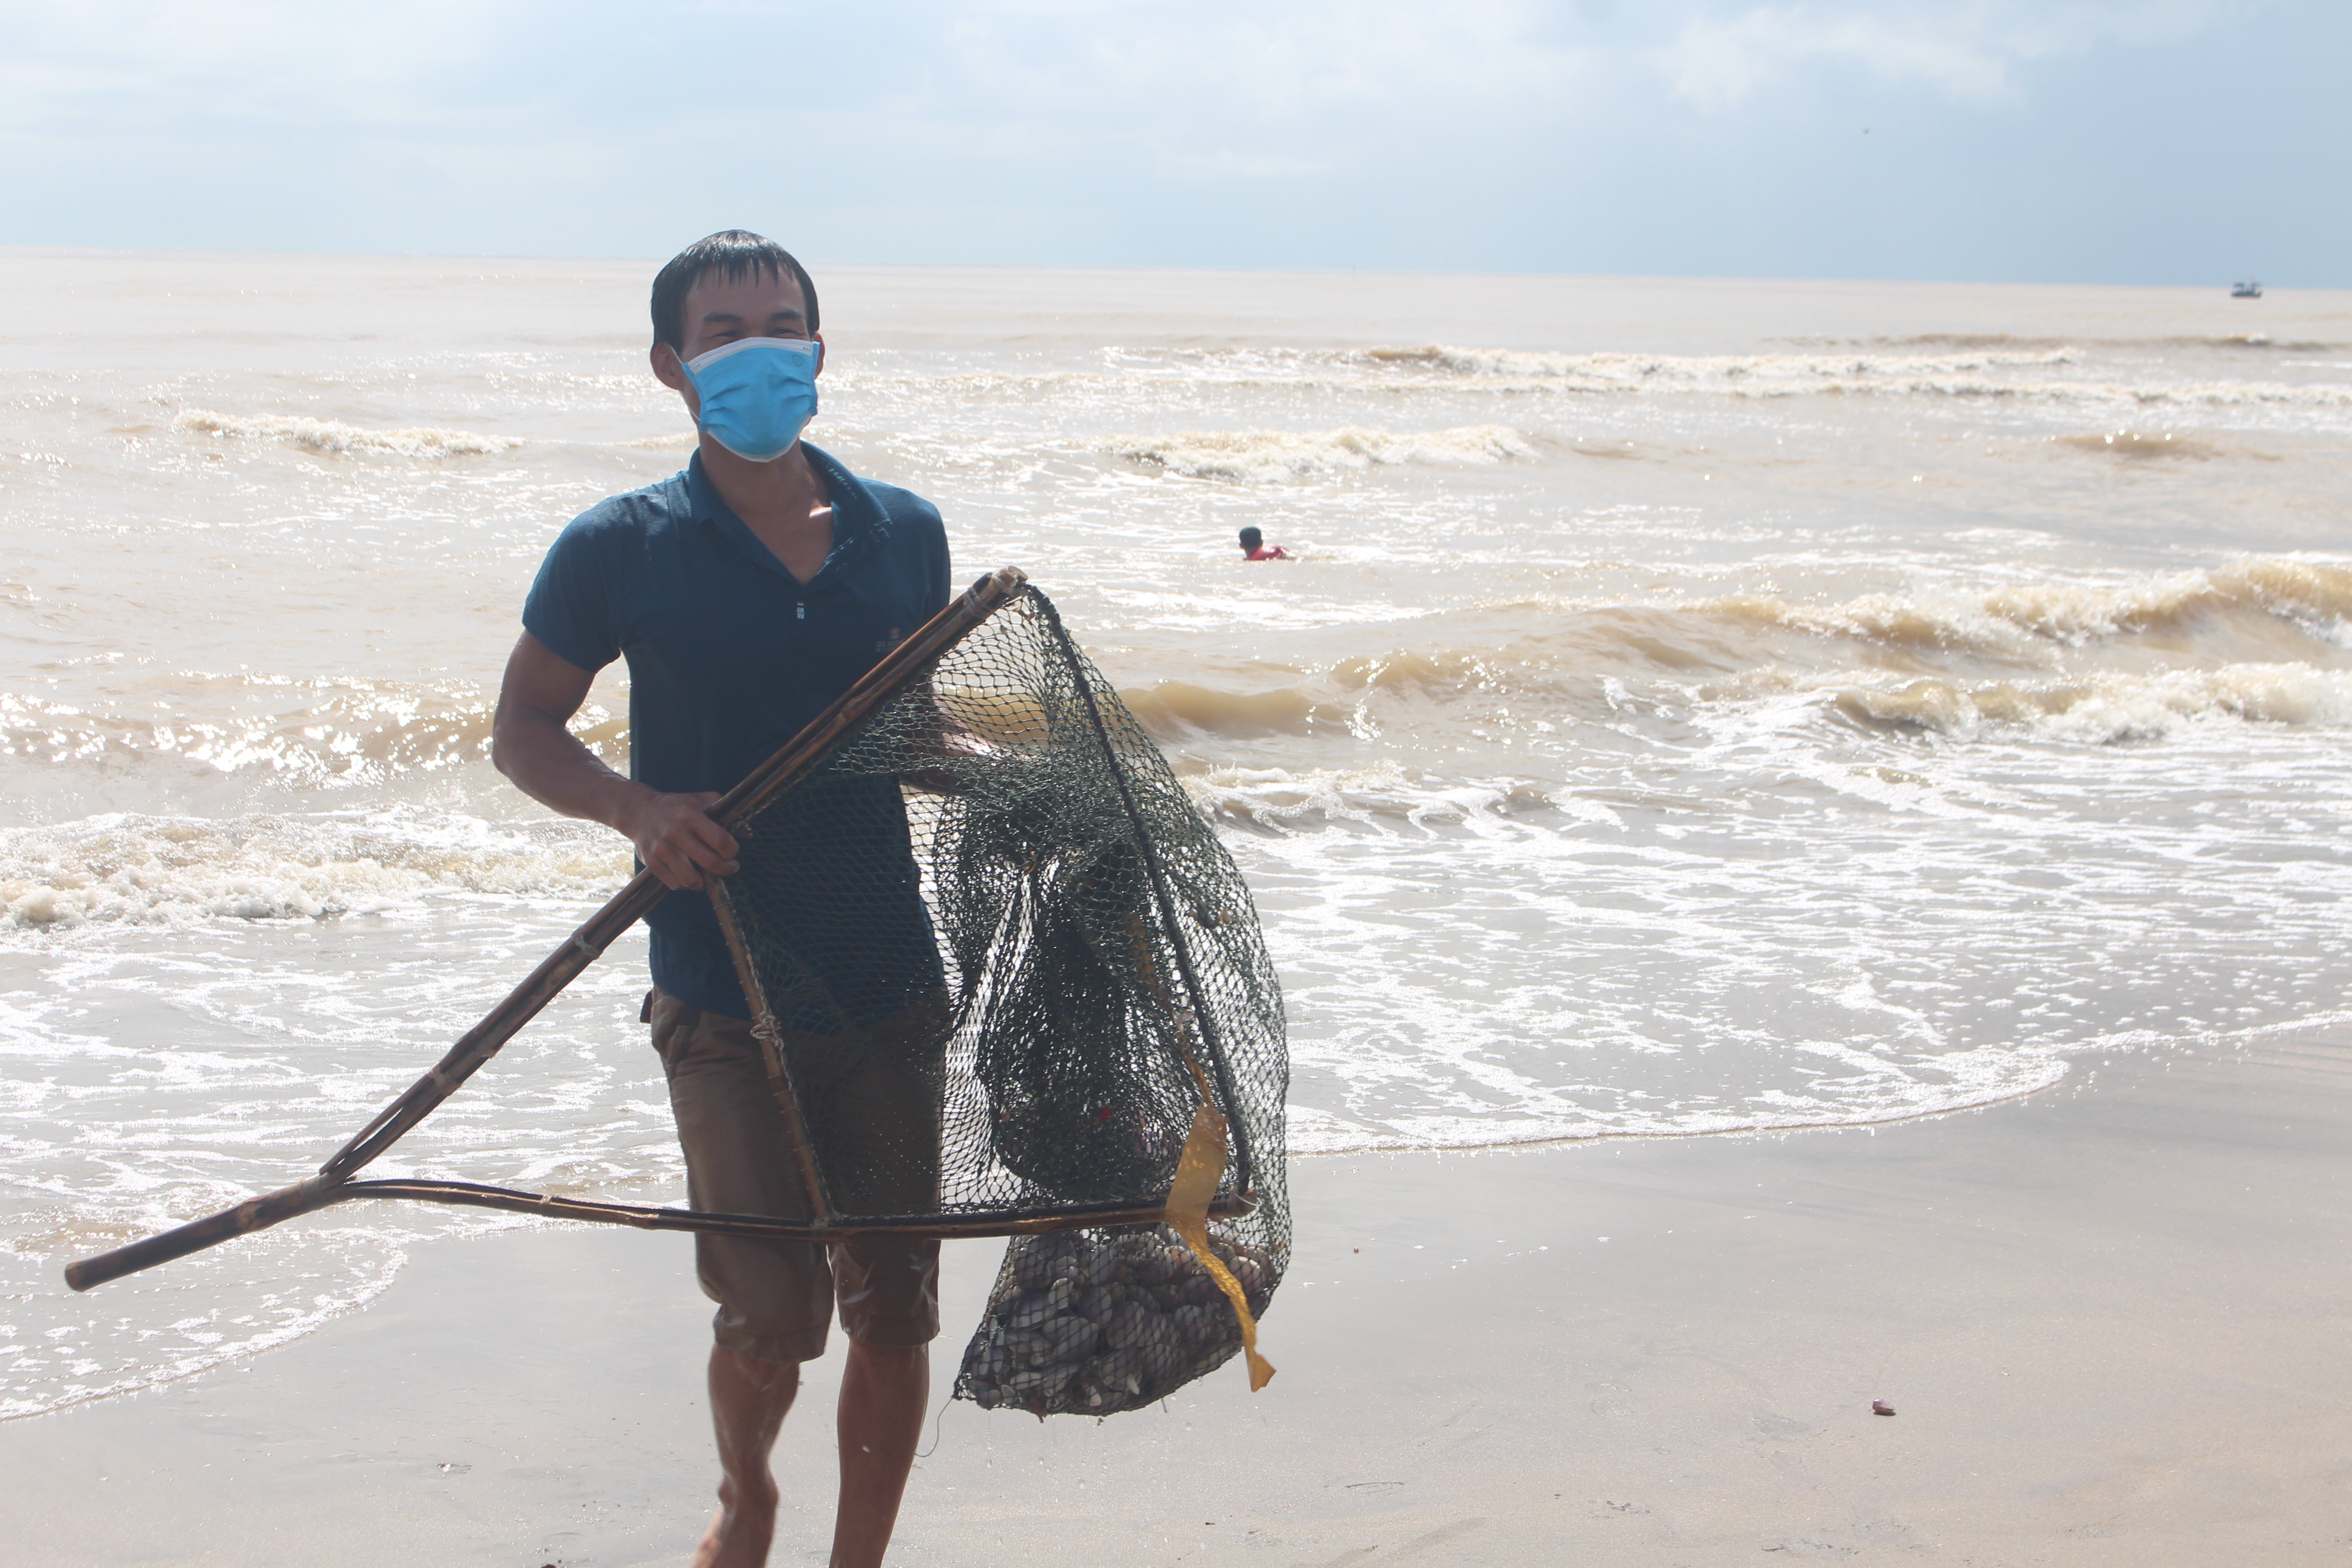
(2245, 291)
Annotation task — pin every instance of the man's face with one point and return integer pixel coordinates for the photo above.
(719, 310)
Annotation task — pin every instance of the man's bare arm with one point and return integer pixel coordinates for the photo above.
(531, 744)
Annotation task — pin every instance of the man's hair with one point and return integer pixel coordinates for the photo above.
(1252, 539)
(734, 254)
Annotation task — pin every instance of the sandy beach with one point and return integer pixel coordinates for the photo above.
(2111, 1319)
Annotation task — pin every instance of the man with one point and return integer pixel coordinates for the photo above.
(1256, 548)
(746, 593)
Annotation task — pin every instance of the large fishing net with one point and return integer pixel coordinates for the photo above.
(1008, 984)
(1009, 980)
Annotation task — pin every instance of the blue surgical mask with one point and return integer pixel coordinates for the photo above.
(757, 393)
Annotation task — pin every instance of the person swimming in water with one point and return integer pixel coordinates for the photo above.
(1255, 548)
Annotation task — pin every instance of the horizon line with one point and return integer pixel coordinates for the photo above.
(11, 250)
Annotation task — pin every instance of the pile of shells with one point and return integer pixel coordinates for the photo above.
(1092, 1322)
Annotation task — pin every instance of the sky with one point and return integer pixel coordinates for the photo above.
(2128, 142)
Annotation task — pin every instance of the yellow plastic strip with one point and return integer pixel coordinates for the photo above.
(1200, 1170)
(1198, 1173)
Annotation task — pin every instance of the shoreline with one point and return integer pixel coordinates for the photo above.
(2110, 1315)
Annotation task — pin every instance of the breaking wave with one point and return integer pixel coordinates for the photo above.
(2316, 596)
(335, 733)
(1991, 374)
(2223, 341)
(337, 439)
(124, 869)
(1285, 455)
(2023, 371)
(1614, 369)
(1171, 708)
(2108, 708)
(2254, 594)
(2263, 639)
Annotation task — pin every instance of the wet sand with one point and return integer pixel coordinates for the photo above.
(2113, 1321)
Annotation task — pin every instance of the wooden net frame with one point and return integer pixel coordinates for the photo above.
(1198, 1193)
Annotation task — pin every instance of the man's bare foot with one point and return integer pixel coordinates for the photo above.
(739, 1532)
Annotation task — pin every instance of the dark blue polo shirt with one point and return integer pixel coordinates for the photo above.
(729, 655)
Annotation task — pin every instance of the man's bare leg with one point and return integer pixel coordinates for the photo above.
(884, 1390)
(747, 1402)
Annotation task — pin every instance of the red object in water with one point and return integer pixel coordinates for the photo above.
(1880, 1408)
(1268, 553)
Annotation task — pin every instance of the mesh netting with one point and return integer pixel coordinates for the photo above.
(999, 960)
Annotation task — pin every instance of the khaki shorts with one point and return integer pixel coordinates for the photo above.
(776, 1298)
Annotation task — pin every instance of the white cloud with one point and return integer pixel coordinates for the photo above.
(1280, 56)
(242, 62)
(1481, 134)
(1714, 65)
(1970, 53)
(1271, 62)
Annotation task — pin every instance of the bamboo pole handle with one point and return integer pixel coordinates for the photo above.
(257, 1214)
(558, 969)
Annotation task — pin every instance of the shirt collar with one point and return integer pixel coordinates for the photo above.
(703, 501)
(854, 512)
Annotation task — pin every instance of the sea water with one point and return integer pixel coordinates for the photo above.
(1690, 707)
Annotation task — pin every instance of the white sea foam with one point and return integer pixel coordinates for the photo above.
(1287, 454)
(225, 1314)
(124, 869)
(1559, 1022)
(1274, 797)
(150, 1078)
(336, 438)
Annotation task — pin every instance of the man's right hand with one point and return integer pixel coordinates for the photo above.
(530, 743)
(677, 840)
